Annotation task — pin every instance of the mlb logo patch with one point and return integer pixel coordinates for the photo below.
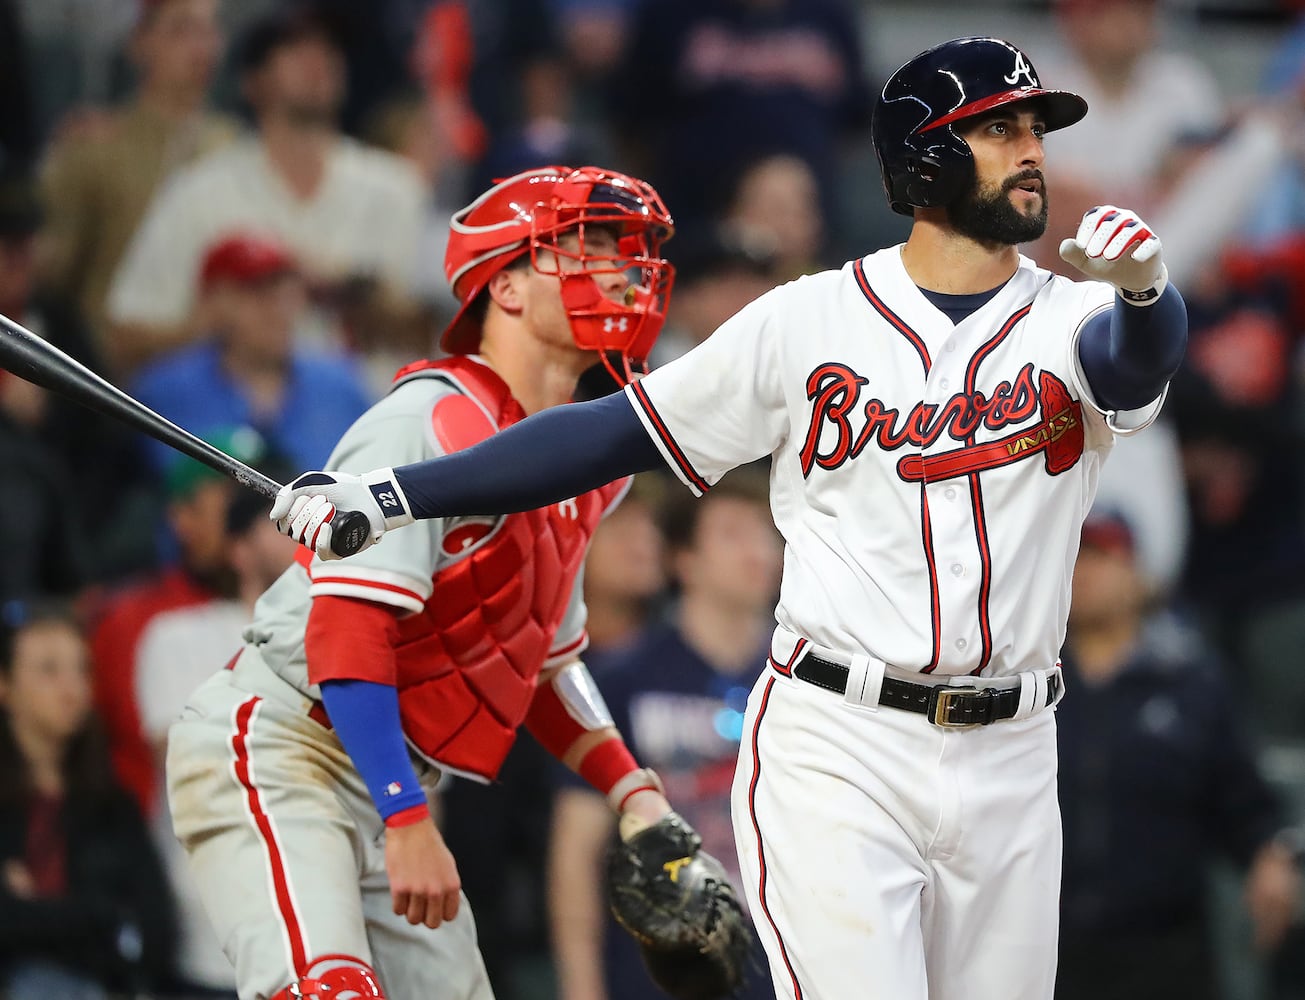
(393, 789)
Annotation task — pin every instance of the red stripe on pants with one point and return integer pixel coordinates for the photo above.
(285, 905)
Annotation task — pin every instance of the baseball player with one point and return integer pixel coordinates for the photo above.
(936, 414)
(298, 777)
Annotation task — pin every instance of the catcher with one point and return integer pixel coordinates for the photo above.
(298, 777)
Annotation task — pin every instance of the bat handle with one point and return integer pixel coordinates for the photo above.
(349, 532)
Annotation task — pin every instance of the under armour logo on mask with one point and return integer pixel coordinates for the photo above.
(611, 324)
(1022, 69)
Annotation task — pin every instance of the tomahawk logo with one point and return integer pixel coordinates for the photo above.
(1022, 69)
(611, 324)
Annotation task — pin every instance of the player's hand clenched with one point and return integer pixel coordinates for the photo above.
(424, 882)
(1114, 245)
(306, 509)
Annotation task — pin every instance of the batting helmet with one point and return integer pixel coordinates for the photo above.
(526, 214)
(925, 164)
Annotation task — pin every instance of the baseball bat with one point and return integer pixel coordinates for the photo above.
(40, 362)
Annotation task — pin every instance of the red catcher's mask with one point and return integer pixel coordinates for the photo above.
(527, 214)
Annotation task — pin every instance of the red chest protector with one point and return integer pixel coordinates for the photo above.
(468, 661)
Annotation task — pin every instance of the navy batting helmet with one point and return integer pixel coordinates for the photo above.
(925, 163)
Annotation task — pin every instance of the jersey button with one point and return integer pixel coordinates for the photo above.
(944, 382)
(958, 569)
(950, 493)
(961, 643)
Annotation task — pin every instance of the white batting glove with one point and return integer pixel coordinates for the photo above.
(306, 508)
(1114, 245)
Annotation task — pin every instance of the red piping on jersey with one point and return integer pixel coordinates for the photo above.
(371, 584)
(659, 425)
(756, 827)
(935, 600)
(285, 903)
(916, 341)
(571, 647)
(926, 531)
(976, 496)
(787, 668)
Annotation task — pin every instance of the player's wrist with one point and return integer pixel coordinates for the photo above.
(646, 805)
(1150, 294)
(410, 816)
(612, 771)
(391, 502)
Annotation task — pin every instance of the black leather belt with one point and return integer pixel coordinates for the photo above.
(949, 707)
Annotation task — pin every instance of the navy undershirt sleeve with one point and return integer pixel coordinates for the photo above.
(556, 454)
(1129, 354)
(365, 715)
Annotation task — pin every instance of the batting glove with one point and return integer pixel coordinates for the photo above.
(1114, 245)
(306, 508)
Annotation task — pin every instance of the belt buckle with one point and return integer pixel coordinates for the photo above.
(943, 699)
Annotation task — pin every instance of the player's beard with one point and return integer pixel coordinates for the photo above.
(985, 213)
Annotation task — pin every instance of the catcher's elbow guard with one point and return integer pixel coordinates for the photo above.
(677, 902)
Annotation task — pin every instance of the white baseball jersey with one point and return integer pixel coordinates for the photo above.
(929, 479)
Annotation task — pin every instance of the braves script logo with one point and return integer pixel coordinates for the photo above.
(835, 391)
(1022, 69)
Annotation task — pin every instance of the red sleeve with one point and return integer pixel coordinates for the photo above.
(351, 640)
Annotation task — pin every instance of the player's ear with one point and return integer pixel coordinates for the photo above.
(506, 290)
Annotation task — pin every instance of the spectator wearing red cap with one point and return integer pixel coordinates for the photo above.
(351, 214)
(248, 370)
(101, 173)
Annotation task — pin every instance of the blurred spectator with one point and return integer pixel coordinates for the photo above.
(1281, 209)
(198, 501)
(405, 126)
(249, 371)
(625, 574)
(115, 516)
(678, 694)
(1237, 409)
(1156, 777)
(777, 199)
(1143, 98)
(376, 39)
(717, 272)
(100, 175)
(19, 135)
(593, 34)
(179, 650)
(84, 908)
(711, 83)
(351, 214)
(548, 131)
(44, 539)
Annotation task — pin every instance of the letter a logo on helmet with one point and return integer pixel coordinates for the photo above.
(924, 162)
(527, 214)
(1022, 69)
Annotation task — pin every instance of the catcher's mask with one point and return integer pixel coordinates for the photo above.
(527, 214)
(924, 163)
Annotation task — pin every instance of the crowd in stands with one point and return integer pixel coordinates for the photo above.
(246, 232)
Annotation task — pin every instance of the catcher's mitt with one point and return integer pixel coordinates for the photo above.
(677, 902)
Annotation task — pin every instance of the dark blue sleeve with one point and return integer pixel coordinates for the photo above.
(558, 453)
(1129, 355)
(366, 718)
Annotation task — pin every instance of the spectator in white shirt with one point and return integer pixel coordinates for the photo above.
(351, 213)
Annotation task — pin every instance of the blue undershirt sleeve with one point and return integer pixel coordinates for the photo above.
(366, 718)
(555, 454)
(1129, 354)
